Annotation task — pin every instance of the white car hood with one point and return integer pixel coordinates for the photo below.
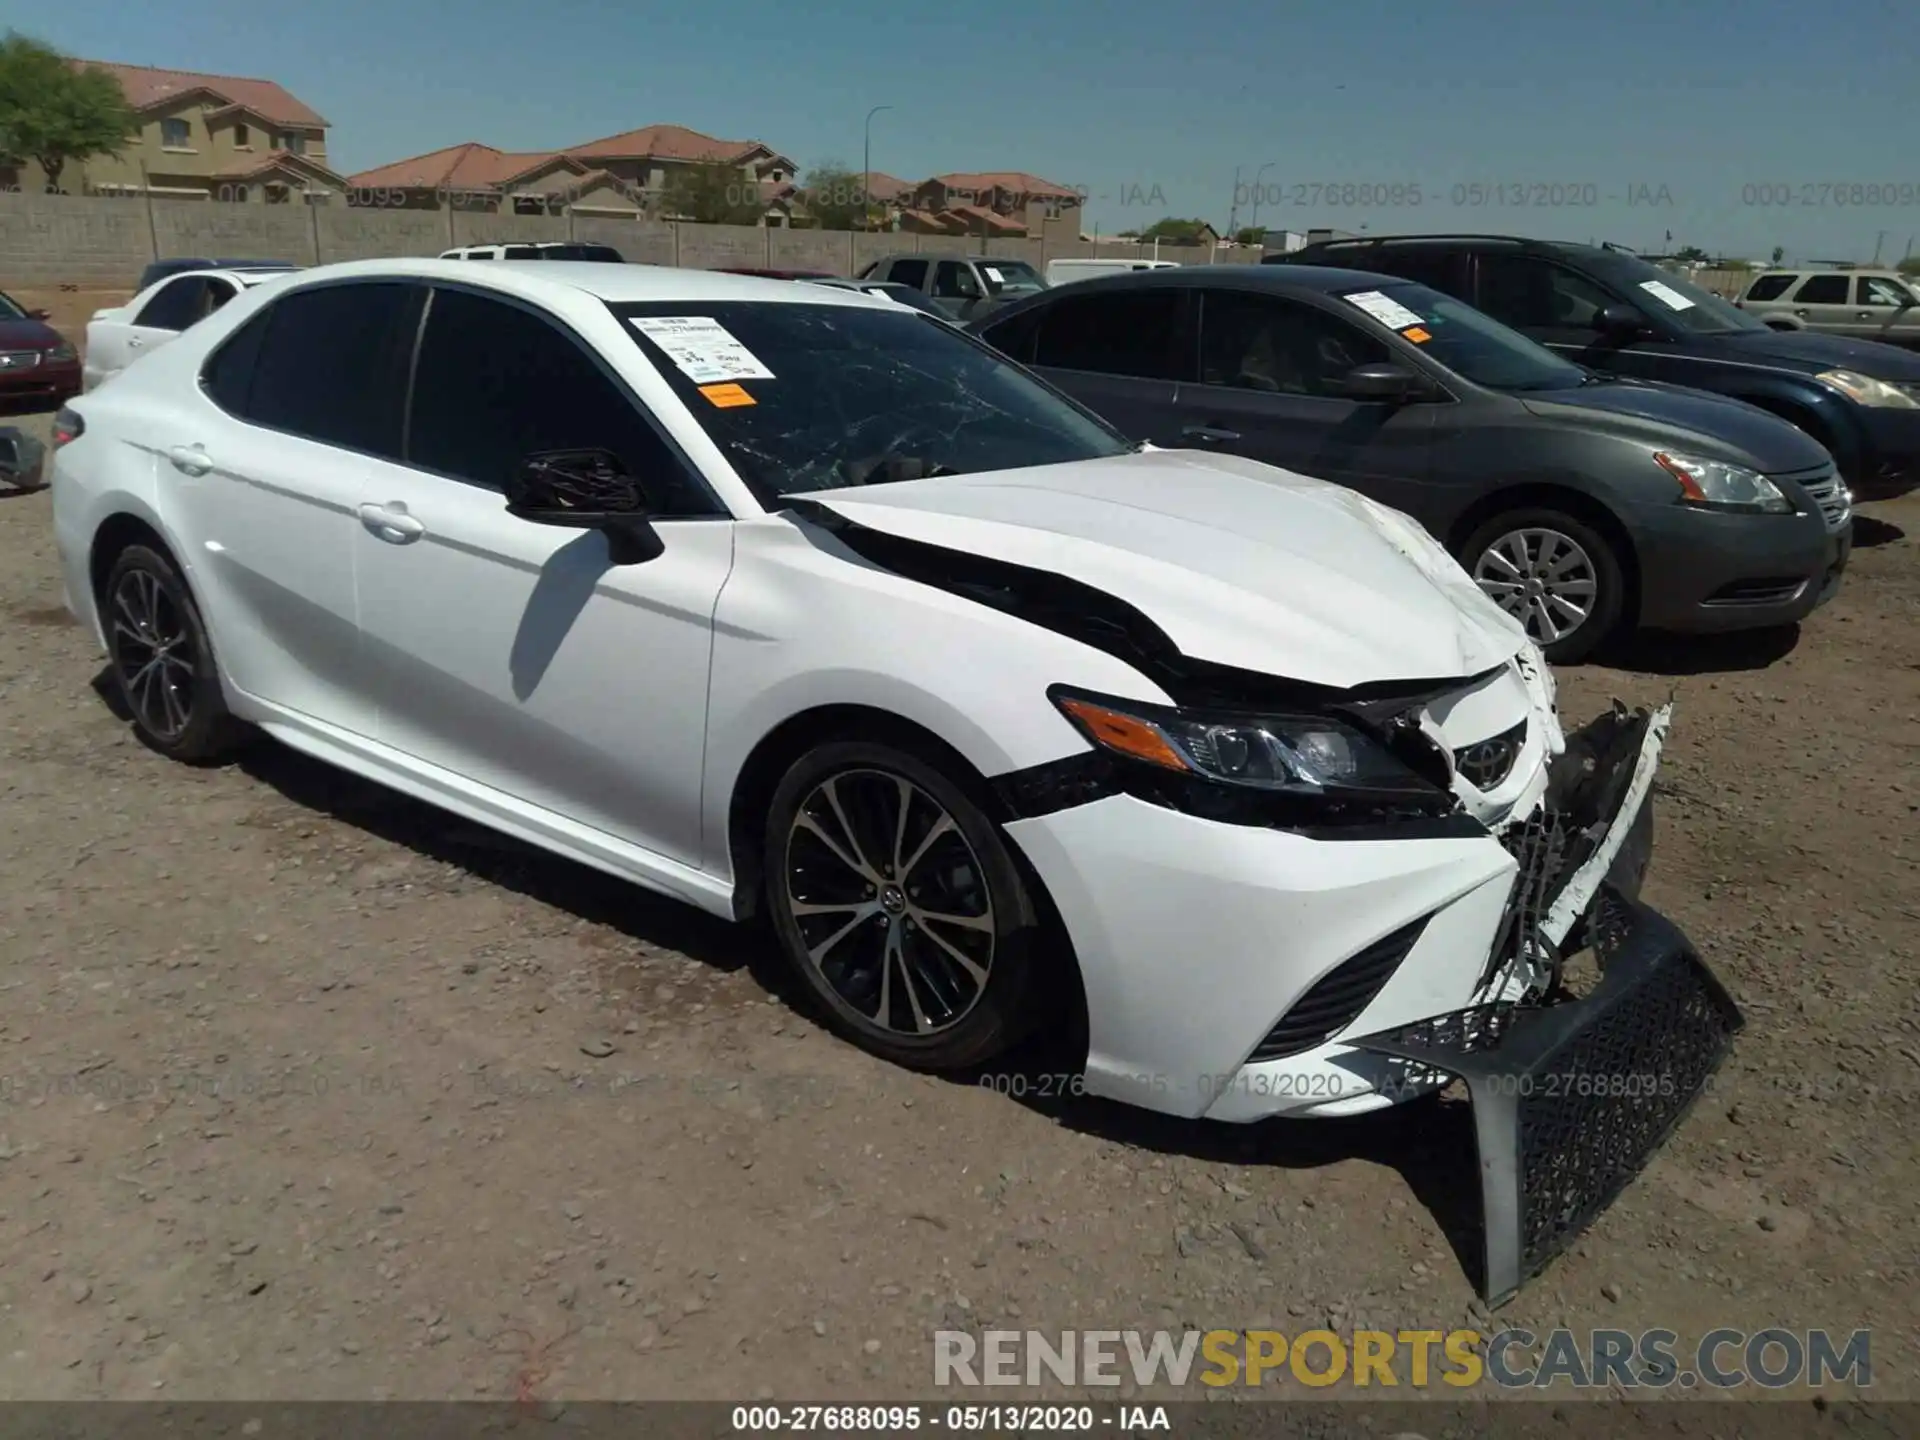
(1237, 562)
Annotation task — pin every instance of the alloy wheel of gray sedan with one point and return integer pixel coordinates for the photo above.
(891, 900)
(1543, 578)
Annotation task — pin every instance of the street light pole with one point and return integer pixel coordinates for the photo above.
(1256, 189)
(866, 166)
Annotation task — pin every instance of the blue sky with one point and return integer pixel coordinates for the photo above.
(1727, 108)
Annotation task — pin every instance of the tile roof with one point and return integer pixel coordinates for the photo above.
(1017, 181)
(975, 217)
(471, 165)
(667, 142)
(146, 86)
(888, 187)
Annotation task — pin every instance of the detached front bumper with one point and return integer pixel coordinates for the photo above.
(1571, 1100)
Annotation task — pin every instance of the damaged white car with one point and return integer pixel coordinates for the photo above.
(792, 603)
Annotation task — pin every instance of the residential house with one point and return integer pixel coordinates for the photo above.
(206, 137)
(624, 175)
(992, 205)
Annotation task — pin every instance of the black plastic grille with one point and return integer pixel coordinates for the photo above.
(1597, 1107)
(1486, 763)
(1539, 845)
(1338, 997)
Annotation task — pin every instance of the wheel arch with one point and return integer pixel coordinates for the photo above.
(1576, 503)
(1806, 414)
(776, 752)
(111, 538)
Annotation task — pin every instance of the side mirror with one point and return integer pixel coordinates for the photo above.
(39, 314)
(1619, 322)
(586, 490)
(1379, 382)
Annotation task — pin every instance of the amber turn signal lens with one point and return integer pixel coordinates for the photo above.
(1124, 734)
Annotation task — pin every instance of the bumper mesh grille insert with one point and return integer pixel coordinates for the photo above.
(1337, 998)
(1616, 1090)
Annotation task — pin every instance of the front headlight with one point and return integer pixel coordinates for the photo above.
(1865, 390)
(60, 354)
(1716, 485)
(1301, 755)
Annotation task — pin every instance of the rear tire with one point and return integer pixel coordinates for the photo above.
(162, 660)
(900, 907)
(1555, 574)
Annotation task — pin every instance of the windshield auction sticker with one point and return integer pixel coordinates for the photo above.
(1666, 295)
(703, 348)
(726, 397)
(1389, 312)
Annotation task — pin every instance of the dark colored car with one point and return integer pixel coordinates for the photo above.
(161, 269)
(966, 287)
(1610, 310)
(39, 370)
(775, 274)
(1581, 502)
(900, 294)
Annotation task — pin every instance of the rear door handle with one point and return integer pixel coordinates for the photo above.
(190, 459)
(1210, 435)
(391, 523)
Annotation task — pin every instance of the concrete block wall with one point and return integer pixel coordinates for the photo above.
(104, 243)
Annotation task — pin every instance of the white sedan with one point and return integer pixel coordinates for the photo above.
(787, 601)
(118, 336)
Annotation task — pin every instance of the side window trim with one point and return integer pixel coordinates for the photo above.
(667, 441)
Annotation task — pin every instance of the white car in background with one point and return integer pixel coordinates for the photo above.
(788, 601)
(117, 337)
(1065, 272)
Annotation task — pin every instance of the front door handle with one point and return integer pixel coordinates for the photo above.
(391, 523)
(1210, 435)
(189, 459)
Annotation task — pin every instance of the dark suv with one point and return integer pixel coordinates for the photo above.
(1608, 309)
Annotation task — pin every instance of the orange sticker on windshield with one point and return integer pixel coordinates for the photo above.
(1417, 335)
(727, 396)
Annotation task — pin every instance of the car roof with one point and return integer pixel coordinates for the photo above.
(555, 280)
(1359, 245)
(1313, 279)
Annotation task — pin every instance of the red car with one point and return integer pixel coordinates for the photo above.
(39, 370)
(776, 274)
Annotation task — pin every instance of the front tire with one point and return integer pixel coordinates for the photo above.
(162, 660)
(1555, 574)
(900, 906)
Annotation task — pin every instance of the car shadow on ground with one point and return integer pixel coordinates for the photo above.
(1429, 1142)
(1870, 531)
(1654, 653)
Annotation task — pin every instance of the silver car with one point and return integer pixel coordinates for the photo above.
(1879, 305)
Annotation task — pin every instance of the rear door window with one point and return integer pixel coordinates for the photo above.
(1121, 333)
(176, 306)
(1822, 290)
(326, 364)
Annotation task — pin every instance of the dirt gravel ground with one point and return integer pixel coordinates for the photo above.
(311, 1092)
